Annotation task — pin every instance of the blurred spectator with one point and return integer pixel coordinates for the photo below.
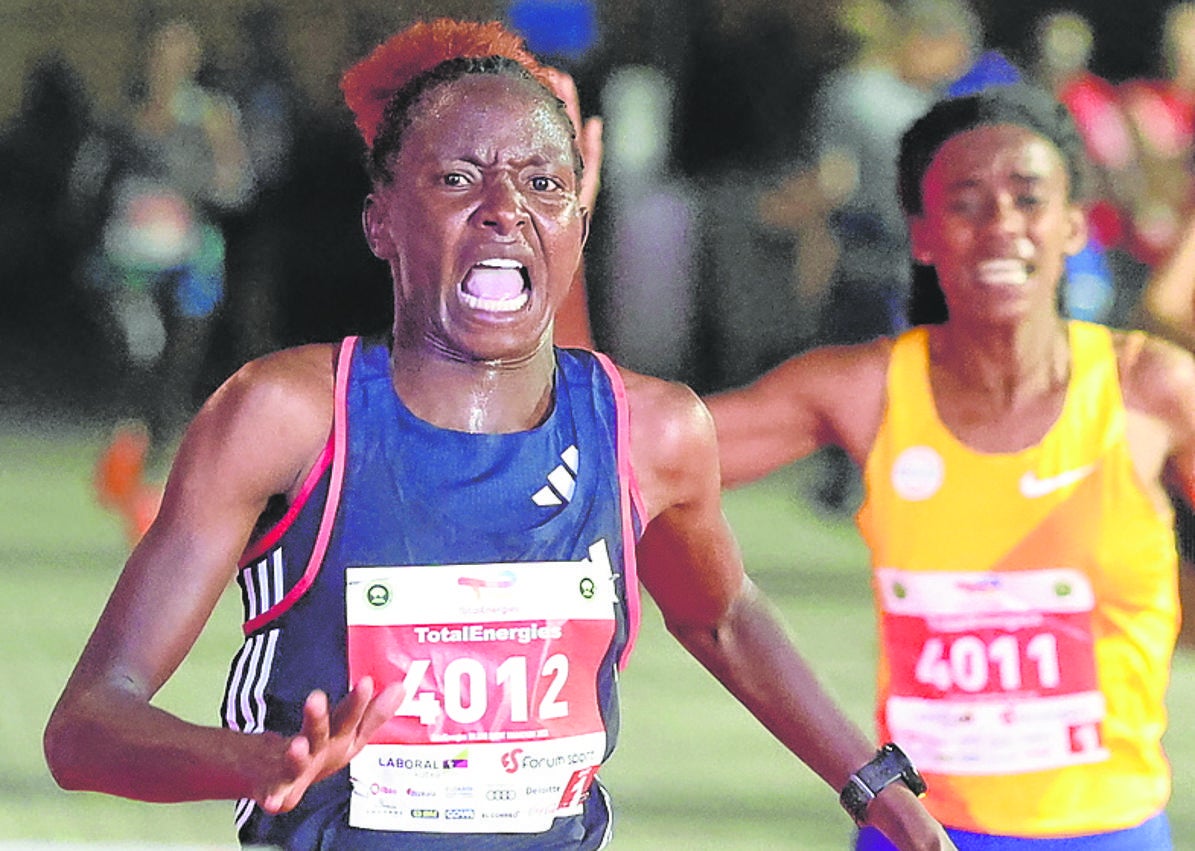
(742, 105)
(270, 110)
(1063, 46)
(913, 51)
(1102, 281)
(746, 82)
(853, 253)
(160, 180)
(1162, 111)
(37, 240)
(650, 216)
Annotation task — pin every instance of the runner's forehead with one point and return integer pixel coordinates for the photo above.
(485, 108)
(1007, 151)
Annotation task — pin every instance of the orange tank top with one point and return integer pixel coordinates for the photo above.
(1027, 604)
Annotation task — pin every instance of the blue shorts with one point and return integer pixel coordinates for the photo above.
(1153, 835)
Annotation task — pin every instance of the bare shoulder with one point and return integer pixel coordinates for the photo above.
(667, 412)
(273, 415)
(862, 365)
(856, 360)
(831, 395)
(1157, 377)
(673, 443)
(292, 378)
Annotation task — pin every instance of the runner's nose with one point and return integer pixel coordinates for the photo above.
(502, 206)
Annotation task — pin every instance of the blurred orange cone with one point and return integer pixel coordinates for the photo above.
(119, 479)
(120, 468)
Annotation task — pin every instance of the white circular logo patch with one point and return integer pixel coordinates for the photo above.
(917, 473)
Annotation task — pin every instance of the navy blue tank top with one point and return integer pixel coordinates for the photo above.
(392, 490)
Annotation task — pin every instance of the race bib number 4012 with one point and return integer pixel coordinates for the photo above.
(499, 665)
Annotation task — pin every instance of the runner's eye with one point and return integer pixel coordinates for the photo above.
(542, 183)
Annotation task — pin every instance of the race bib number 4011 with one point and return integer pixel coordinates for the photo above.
(500, 728)
(992, 673)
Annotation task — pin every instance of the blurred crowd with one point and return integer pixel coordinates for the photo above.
(748, 206)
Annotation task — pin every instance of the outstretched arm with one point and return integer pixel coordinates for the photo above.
(104, 734)
(828, 396)
(690, 564)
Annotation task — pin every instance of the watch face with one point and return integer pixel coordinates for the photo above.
(891, 765)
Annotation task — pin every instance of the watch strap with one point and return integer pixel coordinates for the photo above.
(888, 766)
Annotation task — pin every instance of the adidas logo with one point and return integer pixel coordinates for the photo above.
(562, 481)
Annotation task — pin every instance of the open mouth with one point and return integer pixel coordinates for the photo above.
(497, 285)
(1004, 272)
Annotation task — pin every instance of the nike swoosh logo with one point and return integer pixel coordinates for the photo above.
(1032, 487)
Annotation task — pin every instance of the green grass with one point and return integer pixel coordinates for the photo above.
(693, 770)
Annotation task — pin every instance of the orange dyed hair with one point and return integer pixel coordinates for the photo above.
(369, 85)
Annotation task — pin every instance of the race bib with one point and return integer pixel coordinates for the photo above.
(500, 727)
(992, 673)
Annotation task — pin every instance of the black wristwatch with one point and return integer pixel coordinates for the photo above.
(889, 765)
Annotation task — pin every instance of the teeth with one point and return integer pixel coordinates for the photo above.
(495, 305)
(1014, 272)
(501, 263)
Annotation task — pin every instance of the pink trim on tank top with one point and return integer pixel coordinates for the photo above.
(271, 537)
(339, 442)
(632, 503)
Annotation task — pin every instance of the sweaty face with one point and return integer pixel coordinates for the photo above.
(997, 224)
(481, 224)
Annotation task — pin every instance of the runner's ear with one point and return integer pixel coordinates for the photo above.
(1077, 219)
(919, 238)
(373, 224)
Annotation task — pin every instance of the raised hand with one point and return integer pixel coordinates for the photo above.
(328, 740)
